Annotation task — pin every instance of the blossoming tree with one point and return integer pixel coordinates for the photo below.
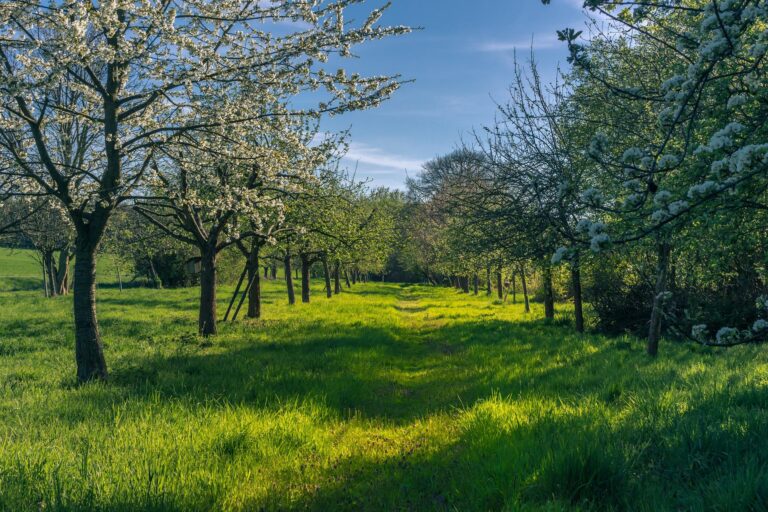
(90, 93)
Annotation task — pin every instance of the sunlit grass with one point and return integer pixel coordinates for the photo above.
(388, 397)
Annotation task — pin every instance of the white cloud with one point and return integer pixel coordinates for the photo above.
(544, 42)
(367, 155)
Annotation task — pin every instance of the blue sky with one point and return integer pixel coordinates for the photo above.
(461, 63)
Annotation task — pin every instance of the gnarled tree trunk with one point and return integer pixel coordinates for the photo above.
(89, 353)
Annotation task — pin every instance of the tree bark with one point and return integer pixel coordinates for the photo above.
(337, 277)
(273, 272)
(346, 279)
(89, 353)
(477, 284)
(304, 278)
(289, 279)
(578, 307)
(525, 290)
(549, 296)
(488, 285)
(662, 271)
(254, 292)
(50, 269)
(45, 277)
(464, 284)
(514, 288)
(499, 285)
(206, 322)
(327, 275)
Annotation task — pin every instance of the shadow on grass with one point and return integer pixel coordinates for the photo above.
(538, 414)
(20, 284)
(395, 374)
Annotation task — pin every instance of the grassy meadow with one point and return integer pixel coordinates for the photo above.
(388, 397)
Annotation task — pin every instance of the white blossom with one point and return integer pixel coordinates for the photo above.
(727, 335)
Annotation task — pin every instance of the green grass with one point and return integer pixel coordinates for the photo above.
(388, 397)
(20, 270)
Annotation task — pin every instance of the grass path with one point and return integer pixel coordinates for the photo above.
(387, 397)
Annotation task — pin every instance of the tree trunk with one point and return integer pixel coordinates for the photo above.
(289, 279)
(50, 269)
(327, 275)
(488, 285)
(464, 284)
(273, 272)
(155, 277)
(45, 276)
(514, 288)
(207, 316)
(346, 279)
(119, 276)
(304, 278)
(549, 296)
(266, 271)
(525, 290)
(89, 354)
(662, 271)
(499, 285)
(337, 277)
(477, 284)
(354, 276)
(254, 292)
(578, 307)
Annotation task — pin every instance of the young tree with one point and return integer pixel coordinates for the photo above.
(49, 231)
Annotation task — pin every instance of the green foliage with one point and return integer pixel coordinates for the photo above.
(389, 397)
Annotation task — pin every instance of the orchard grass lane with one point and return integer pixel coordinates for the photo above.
(388, 397)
